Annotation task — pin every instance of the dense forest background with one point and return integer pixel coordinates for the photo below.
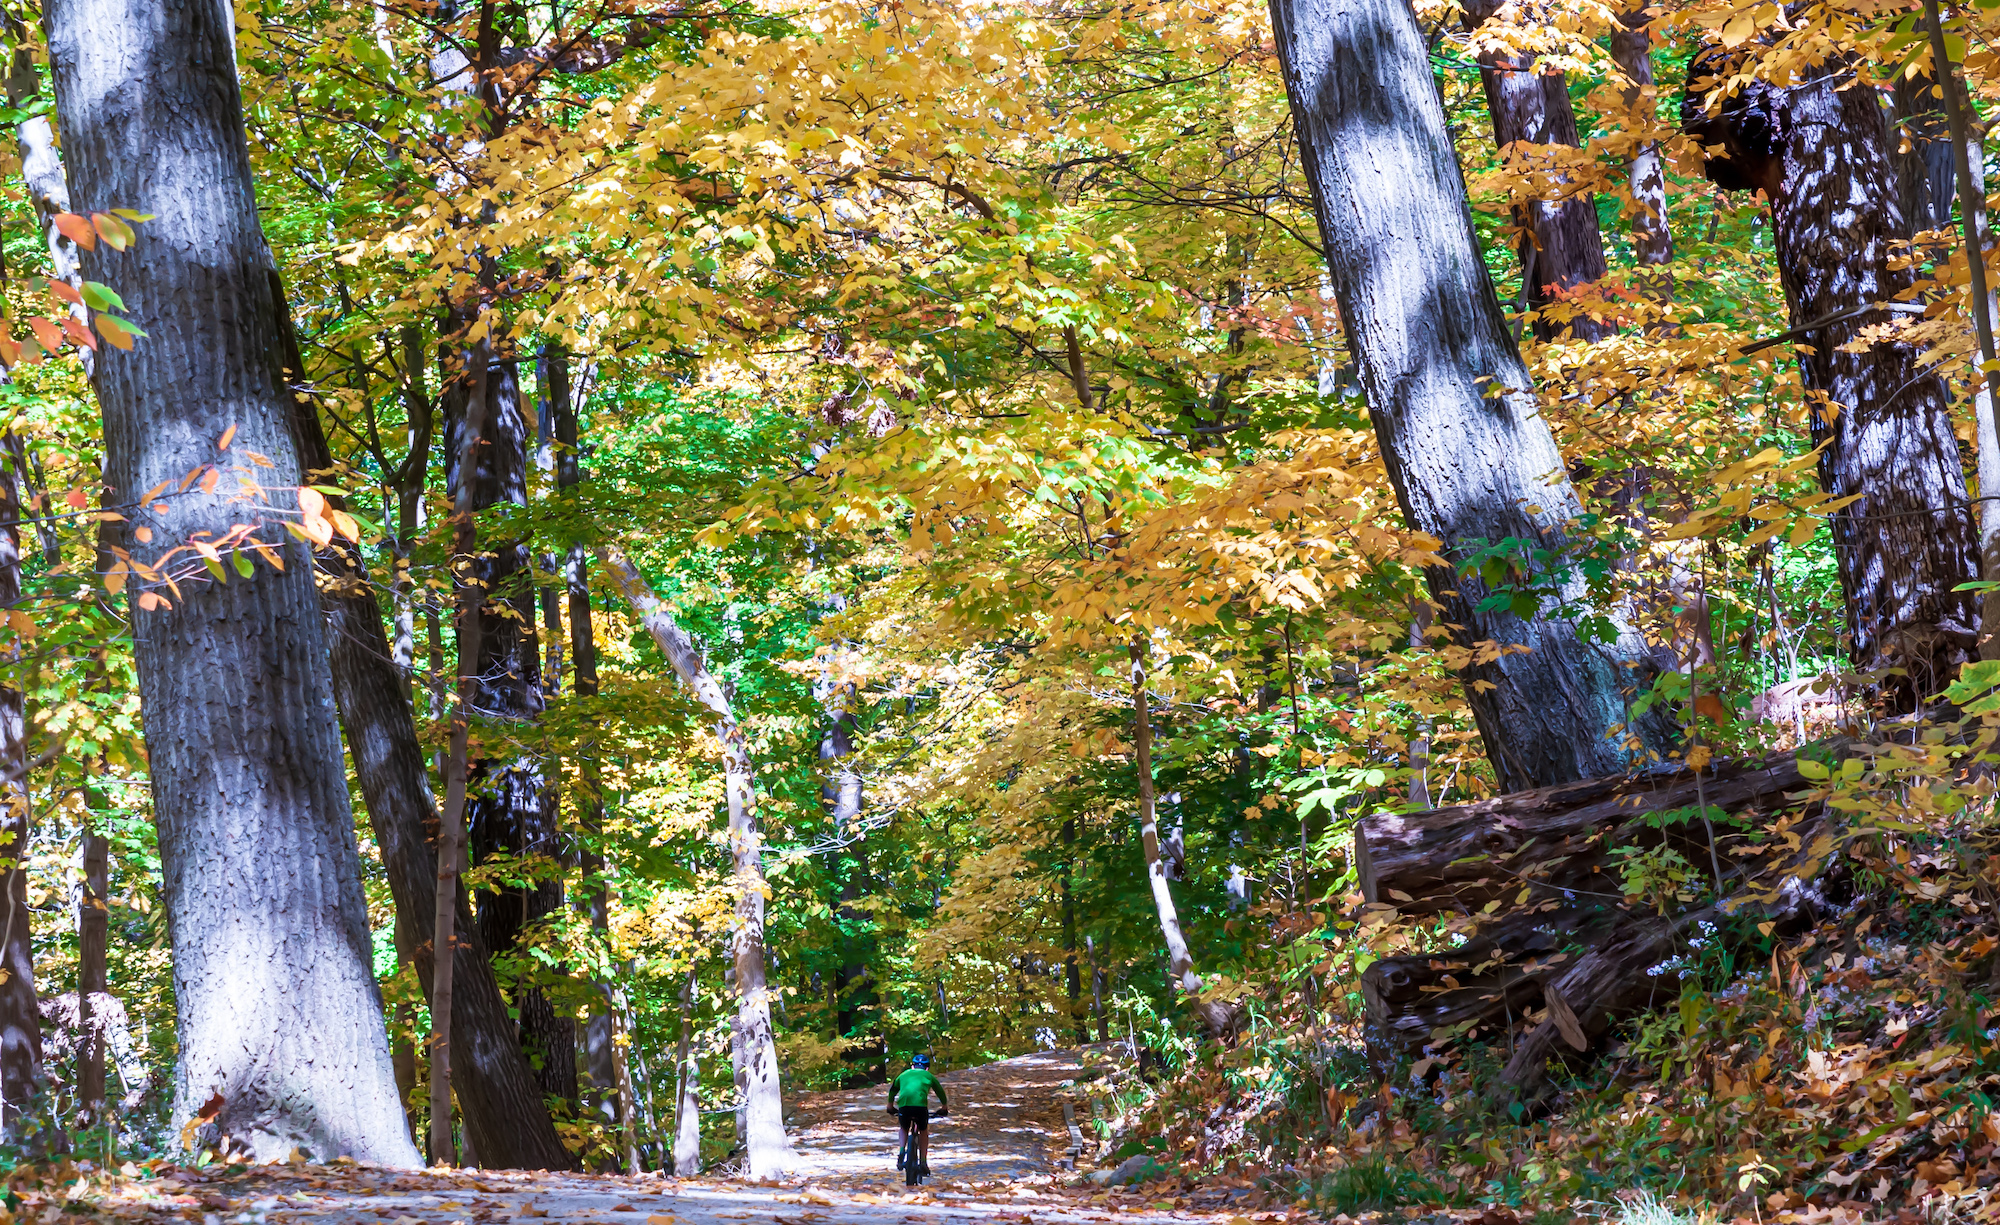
(863, 403)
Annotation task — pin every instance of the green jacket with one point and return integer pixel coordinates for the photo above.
(913, 1088)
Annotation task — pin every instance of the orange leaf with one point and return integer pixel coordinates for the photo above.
(79, 333)
(209, 480)
(77, 498)
(149, 600)
(65, 291)
(48, 333)
(344, 524)
(77, 230)
(10, 353)
(113, 331)
(311, 502)
(223, 443)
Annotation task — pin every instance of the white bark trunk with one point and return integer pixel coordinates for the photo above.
(767, 1151)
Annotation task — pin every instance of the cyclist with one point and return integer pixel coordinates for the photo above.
(909, 1100)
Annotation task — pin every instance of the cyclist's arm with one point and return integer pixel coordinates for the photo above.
(892, 1095)
(938, 1086)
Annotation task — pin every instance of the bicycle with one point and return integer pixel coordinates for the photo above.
(914, 1169)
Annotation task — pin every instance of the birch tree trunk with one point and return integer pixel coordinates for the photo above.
(687, 1081)
(1819, 148)
(1217, 1019)
(1632, 51)
(280, 1023)
(755, 1050)
(1471, 458)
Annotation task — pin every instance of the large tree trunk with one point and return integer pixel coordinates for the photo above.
(1560, 244)
(510, 809)
(280, 1025)
(754, 1048)
(1472, 460)
(1819, 148)
(504, 1116)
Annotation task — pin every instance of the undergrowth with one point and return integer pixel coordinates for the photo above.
(1848, 1071)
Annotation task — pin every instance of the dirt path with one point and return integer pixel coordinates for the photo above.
(992, 1160)
(1006, 1122)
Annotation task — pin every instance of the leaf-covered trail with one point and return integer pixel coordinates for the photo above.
(994, 1159)
(1006, 1122)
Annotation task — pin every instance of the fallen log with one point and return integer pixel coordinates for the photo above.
(1468, 856)
(1553, 937)
(1641, 960)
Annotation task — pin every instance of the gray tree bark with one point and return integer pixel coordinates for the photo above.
(1820, 150)
(510, 808)
(562, 399)
(1472, 460)
(754, 1049)
(687, 1081)
(505, 1119)
(280, 1024)
(1561, 246)
(20, 1010)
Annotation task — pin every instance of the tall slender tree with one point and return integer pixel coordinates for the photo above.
(282, 1045)
(1561, 246)
(505, 1120)
(753, 1047)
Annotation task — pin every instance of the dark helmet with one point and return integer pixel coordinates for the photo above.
(920, 1061)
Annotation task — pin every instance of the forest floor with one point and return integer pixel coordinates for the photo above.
(994, 1159)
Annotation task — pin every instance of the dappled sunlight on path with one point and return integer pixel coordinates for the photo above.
(994, 1159)
(1006, 1122)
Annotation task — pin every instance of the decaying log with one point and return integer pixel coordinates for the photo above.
(1639, 962)
(1462, 858)
(1563, 946)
